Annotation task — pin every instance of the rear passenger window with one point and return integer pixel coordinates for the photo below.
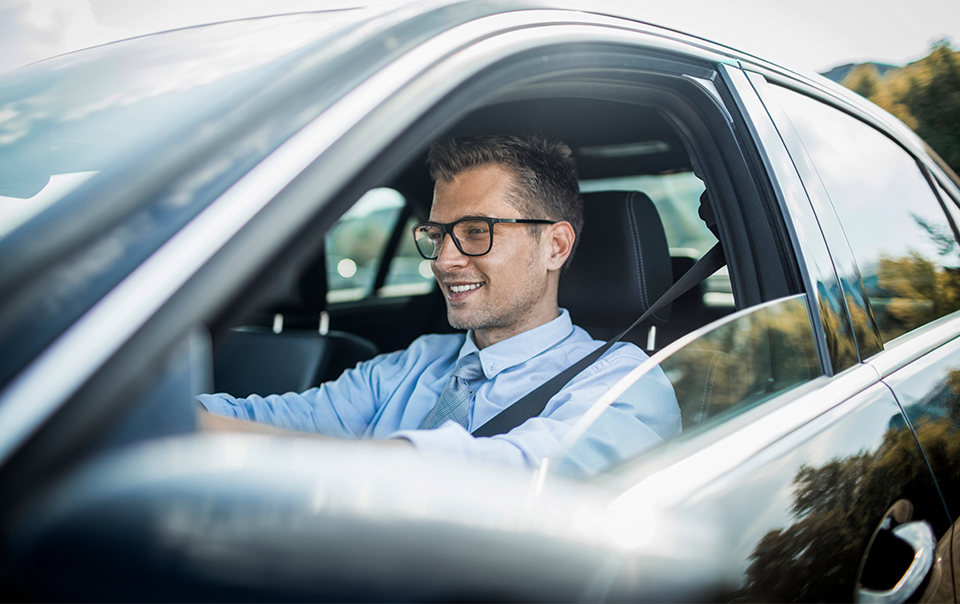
(358, 243)
(902, 240)
(409, 273)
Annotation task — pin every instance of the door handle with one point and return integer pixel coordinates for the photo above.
(919, 536)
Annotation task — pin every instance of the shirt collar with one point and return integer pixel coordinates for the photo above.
(519, 348)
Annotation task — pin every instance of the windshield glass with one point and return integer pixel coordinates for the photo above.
(715, 373)
(64, 120)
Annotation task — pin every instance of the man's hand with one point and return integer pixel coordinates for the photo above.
(210, 422)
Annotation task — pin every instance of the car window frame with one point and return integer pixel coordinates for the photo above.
(813, 258)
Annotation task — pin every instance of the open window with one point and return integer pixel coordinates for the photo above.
(653, 130)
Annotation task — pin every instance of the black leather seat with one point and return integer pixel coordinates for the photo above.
(255, 359)
(621, 266)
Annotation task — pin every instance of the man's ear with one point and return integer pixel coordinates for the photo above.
(559, 240)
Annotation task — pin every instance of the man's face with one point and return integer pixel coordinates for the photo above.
(503, 292)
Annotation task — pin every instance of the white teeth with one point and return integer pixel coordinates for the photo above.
(459, 289)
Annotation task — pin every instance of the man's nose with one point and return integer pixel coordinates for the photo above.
(449, 255)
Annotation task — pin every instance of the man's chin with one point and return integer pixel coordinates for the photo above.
(462, 320)
(458, 323)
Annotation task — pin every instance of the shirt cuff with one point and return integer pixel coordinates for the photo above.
(452, 439)
(449, 438)
(217, 404)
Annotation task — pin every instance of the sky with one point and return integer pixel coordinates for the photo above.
(813, 35)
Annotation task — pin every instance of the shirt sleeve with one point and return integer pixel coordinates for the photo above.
(342, 408)
(644, 416)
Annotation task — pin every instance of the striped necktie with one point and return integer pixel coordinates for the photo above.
(454, 401)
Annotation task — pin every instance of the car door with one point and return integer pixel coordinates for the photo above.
(805, 459)
(800, 478)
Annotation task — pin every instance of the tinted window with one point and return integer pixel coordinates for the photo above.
(901, 238)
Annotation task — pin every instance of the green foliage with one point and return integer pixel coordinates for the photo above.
(925, 95)
(863, 79)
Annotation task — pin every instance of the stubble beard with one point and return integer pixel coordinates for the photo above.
(513, 313)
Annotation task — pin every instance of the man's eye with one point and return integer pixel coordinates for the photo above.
(476, 229)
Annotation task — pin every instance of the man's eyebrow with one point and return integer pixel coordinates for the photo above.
(464, 218)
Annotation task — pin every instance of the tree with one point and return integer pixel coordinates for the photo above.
(925, 95)
(863, 79)
(934, 100)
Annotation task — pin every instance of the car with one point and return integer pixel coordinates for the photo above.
(228, 208)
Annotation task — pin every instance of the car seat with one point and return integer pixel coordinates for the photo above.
(621, 266)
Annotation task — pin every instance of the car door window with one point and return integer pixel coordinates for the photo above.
(358, 242)
(716, 372)
(903, 242)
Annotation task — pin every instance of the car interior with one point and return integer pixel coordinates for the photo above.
(656, 194)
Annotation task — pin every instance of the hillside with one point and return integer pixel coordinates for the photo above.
(837, 74)
(924, 94)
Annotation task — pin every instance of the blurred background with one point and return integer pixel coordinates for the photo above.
(903, 56)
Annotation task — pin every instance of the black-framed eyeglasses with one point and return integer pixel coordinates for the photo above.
(472, 235)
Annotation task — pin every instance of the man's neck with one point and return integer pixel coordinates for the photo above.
(491, 335)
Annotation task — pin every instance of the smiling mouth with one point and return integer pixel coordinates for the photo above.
(460, 289)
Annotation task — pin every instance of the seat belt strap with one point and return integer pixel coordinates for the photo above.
(534, 402)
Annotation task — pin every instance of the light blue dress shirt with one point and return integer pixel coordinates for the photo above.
(388, 397)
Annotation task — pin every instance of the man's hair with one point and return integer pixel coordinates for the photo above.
(545, 174)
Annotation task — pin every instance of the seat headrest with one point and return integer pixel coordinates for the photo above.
(622, 263)
(297, 294)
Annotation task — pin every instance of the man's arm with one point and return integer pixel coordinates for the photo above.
(208, 422)
(372, 400)
(342, 408)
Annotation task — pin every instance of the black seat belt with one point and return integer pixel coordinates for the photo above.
(533, 403)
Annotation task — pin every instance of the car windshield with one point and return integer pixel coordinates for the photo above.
(64, 120)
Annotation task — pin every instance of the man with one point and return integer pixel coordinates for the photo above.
(504, 222)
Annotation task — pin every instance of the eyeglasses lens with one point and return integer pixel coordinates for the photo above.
(474, 237)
